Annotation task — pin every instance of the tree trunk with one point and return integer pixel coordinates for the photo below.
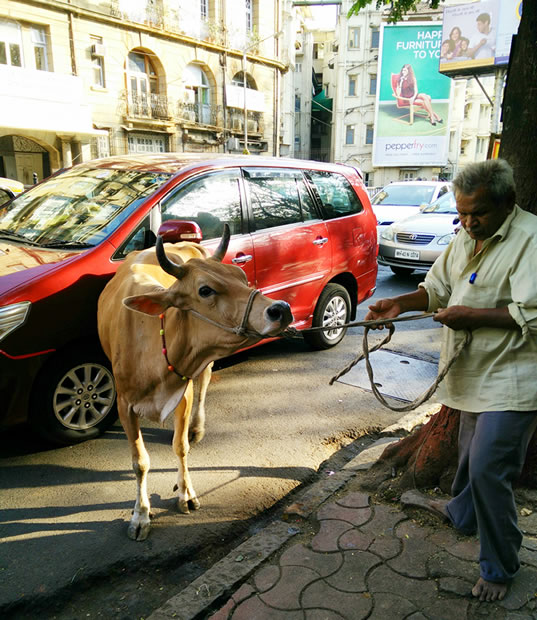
(519, 137)
(428, 458)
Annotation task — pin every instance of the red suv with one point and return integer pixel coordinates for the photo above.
(303, 232)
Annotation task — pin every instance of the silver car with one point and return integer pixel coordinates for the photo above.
(417, 241)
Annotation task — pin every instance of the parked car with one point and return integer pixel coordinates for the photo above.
(399, 200)
(417, 241)
(9, 188)
(302, 231)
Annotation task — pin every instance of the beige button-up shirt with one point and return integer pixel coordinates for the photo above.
(498, 370)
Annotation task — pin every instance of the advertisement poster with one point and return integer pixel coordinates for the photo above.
(411, 120)
(476, 37)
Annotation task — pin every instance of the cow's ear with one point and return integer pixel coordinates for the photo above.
(151, 303)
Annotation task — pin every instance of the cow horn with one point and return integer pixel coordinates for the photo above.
(221, 250)
(175, 270)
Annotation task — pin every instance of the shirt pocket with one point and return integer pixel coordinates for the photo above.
(477, 296)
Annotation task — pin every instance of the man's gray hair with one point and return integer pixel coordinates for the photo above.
(494, 175)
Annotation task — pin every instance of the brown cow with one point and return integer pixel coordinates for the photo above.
(163, 319)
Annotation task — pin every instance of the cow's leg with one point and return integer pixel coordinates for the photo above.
(197, 421)
(140, 524)
(187, 496)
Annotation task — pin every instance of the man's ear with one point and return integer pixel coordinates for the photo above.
(150, 303)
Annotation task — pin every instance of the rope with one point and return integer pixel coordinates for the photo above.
(366, 351)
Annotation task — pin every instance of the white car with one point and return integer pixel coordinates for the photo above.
(403, 198)
(417, 241)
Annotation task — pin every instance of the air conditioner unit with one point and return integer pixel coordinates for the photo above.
(98, 49)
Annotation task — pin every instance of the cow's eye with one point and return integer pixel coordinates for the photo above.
(205, 291)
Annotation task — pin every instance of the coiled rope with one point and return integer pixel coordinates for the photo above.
(368, 325)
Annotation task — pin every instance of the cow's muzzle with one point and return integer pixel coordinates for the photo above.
(279, 312)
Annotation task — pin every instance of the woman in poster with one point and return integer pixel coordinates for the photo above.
(407, 87)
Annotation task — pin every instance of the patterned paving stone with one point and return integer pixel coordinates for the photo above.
(454, 585)
(328, 535)
(351, 576)
(411, 529)
(383, 579)
(522, 590)
(286, 593)
(417, 616)
(355, 516)
(444, 564)
(449, 609)
(527, 557)
(386, 547)
(267, 577)
(355, 606)
(354, 500)
(416, 550)
(444, 537)
(255, 608)
(384, 521)
(392, 607)
(514, 615)
(355, 539)
(323, 564)
(321, 614)
(529, 524)
(467, 549)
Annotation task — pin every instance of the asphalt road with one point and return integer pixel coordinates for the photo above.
(273, 423)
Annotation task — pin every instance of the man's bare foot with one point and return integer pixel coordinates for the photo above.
(488, 590)
(437, 507)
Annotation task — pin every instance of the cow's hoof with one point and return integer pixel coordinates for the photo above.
(194, 504)
(138, 530)
(182, 506)
(195, 435)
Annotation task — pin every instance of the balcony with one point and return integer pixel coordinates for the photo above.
(201, 114)
(151, 106)
(255, 121)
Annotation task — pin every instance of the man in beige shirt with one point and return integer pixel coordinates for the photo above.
(485, 282)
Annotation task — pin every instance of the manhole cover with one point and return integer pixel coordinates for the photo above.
(397, 376)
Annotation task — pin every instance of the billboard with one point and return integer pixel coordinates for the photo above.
(411, 116)
(477, 37)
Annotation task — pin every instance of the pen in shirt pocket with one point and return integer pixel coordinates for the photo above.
(473, 277)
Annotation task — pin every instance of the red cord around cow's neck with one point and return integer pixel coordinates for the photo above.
(165, 350)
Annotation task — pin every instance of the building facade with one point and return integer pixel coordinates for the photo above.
(88, 78)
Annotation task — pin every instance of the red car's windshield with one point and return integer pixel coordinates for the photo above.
(78, 207)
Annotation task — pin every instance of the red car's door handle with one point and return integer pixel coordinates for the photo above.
(243, 258)
(320, 241)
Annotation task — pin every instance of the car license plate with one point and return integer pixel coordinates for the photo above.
(412, 254)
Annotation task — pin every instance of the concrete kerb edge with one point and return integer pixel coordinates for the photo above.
(239, 564)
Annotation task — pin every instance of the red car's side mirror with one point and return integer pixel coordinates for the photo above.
(173, 231)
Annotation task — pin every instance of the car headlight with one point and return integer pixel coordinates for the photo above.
(446, 239)
(387, 234)
(12, 317)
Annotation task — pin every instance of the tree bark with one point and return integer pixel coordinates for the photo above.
(519, 136)
(427, 458)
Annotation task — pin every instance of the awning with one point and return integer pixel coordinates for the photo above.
(321, 103)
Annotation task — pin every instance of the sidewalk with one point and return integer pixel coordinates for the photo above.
(338, 555)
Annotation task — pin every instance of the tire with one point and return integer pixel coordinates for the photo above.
(402, 271)
(333, 308)
(74, 398)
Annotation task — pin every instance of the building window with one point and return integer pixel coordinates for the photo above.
(373, 84)
(483, 113)
(142, 81)
(249, 15)
(97, 60)
(481, 145)
(369, 134)
(352, 86)
(10, 44)
(297, 103)
(198, 93)
(39, 42)
(467, 110)
(315, 51)
(204, 9)
(375, 37)
(406, 175)
(349, 134)
(146, 143)
(465, 144)
(298, 67)
(354, 38)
